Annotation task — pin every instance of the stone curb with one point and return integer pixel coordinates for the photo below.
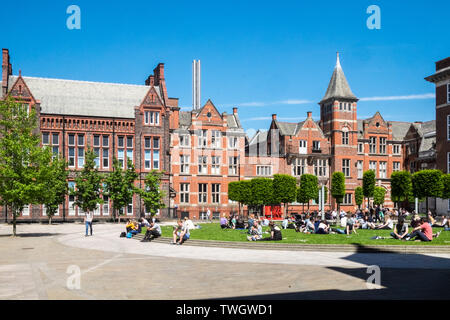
(309, 247)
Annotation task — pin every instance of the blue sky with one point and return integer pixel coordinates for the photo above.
(262, 56)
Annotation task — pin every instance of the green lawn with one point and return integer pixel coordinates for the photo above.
(212, 231)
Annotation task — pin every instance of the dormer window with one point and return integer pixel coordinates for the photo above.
(151, 118)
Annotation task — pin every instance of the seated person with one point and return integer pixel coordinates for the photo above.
(387, 225)
(309, 225)
(446, 224)
(349, 228)
(154, 231)
(423, 231)
(323, 228)
(275, 233)
(250, 222)
(265, 222)
(316, 224)
(142, 223)
(255, 232)
(180, 233)
(400, 230)
(233, 222)
(367, 222)
(285, 223)
(343, 221)
(224, 222)
(132, 226)
(188, 222)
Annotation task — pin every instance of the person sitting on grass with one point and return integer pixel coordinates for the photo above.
(367, 222)
(422, 232)
(142, 223)
(132, 227)
(153, 232)
(285, 223)
(387, 225)
(180, 233)
(224, 222)
(250, 222)
(233, 222)
(309, 224)
(400, 230)
(275, 233)
(323, 227)
(256, 232)
(349, 228)
(188, 222)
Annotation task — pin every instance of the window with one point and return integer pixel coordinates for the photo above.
(130, 209)
(55, 139)
(120, 142)
(71, 185)
(26, 210)
(360, 147)
(184, 164)
(347, 199)
(448, 92)
(233, 165)
(105, 141)
(129, 142)
(383, 145)
(316, 145)
(105, 205)
(382, 170)
(346, 167)
(349, 107)
(130, 155)
(413, 167)
(151, 117)
(71, 157)
(373, 145)
(55, 151)
(396, 149)
(232, 142)
(412, 148)
(45, 138)
(373, 166)
(263, 170)
(320, 167)
(80, 140)
(71, 140)
(215, 192)
(121, 157)
(147, 117)
(184, 140)
(184, 192)
(448, 162)
(345, 137)
(44, 211)
(202, 192)
(202, 139)
(202, 165)
(155, 159)
(97, 141)
(299, 167)
(303, 144)
(359, 166)
(215, 167)
(97, 157)
(396, 166)
(80, 157)
(216, 139)
(340, 106)
(105, 158)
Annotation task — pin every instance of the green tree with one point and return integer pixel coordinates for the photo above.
(368, 185)
(152, 195)
(239, 191)
(20, 155)
(53, 175)
(427, 183)
(309, 186)
(401, 186)
(446, 186)
(338, 187)
(359, 196)
(284, 189)
(378, 195)
(119, 185)
(261, 192)
(88, 183)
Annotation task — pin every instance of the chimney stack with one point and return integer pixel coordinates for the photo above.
(150, 81)
(6, 71)
(159, 73)
(274, 117)
(309, 113)
(235, 110)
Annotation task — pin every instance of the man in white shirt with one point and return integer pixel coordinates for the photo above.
(208, 215)
(89, 216)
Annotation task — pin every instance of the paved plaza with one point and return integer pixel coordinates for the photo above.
(39, 264)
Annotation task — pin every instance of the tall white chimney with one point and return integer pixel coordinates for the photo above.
(196, 84)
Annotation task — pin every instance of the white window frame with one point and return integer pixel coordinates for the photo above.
(184, 163)
(448, 127)
(320, 167)
(184, 192)
(346, 167)
(360, 147)
(185, 140)
(265, 171)
(202, 139)
(202, 165)
(215, 164)
(105, 206)
(347, 199)
(232, 142)
(233, 163)
(345, 138)
(383, 144)
(46, 134)
(372, 145)
(373, 166)
(299, 167)
(202, 194)
(360, 169)
(396, 166)
(215, 193)
(216, 139)
(303, 147)
(382, 169)
(448, 92)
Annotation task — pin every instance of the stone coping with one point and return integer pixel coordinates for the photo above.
(355, 248)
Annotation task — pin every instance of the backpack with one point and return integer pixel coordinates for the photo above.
(129, 235)
(123, 234)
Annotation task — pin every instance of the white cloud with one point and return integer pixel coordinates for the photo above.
(408, 97)
(269, 103)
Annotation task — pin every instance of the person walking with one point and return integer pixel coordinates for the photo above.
(89, 216)
(208, 215)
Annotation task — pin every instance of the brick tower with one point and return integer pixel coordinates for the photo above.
(339, 124)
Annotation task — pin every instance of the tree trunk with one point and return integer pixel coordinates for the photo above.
(14, 222)
(427, 207)
(50, 220)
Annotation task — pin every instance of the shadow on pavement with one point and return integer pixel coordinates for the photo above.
(403, 276)
(30, 235)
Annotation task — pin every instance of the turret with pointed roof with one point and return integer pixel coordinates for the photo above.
(338, 87)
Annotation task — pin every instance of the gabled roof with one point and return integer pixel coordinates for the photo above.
(286, 128)
(338, 87)
(71, 97)
(399, 129)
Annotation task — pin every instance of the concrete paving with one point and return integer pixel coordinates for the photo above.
(39, 264)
